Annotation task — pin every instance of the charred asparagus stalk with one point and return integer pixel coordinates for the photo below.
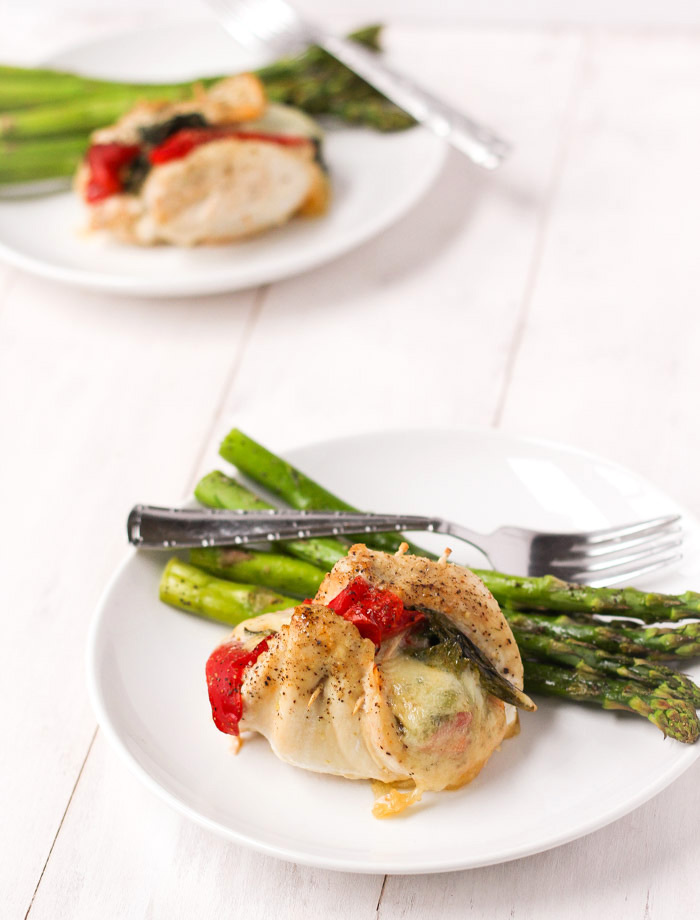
(41, 159)
(550, 593)
(43, 103)
(596, 662)
(547, 592)
(294, 487)
(676, 718)
(664, 696)
(24, 87)
(652, 642)
(586, 658)
(277, 572)
(215, 490)
(189, 588)
(79, 115)
(537, 636)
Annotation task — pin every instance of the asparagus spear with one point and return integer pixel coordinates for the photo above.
(273, 571)
(43, 159)
(187, 587)
(76, 115)
(547, 592)
(190, 589)
(585, 646)
(184, 586)
(293, 486)
(662, 680)
(277, 475)
(314, 81)
(377, 113)
(544, 637)
(219, 491)
(651, 642)
(369, 36)
(24, 86)
(676, 718)
(216, 490)
(551, 593)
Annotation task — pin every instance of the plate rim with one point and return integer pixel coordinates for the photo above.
(164, 287)
(685, 758)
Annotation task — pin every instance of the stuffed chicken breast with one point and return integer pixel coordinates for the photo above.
(401, 670)
(218, 168)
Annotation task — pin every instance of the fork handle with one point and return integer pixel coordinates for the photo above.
(477, 141)
(178, 528)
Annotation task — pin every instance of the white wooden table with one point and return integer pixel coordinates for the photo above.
(558, 298)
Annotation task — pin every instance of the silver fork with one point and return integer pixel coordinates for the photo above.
(277, 25)
(597, 557)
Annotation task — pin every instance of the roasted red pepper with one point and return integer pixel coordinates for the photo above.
(377, 614)
(225, 669)
(178, 145)
(107, 163)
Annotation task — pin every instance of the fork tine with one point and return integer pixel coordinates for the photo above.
(641, 528)
(250, 14)
(237, 18)
(266, 20)
(605, 548)
(286, 14)
(227, 11)
(613, 560)
(635, 573)
(624, 573)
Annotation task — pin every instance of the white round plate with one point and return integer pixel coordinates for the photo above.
(376, 178)
(573, 768)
